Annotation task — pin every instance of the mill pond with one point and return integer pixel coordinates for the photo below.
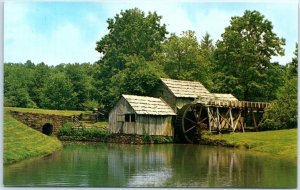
(156, 165)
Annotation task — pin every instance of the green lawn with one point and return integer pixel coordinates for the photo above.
(44, 111)
(281, 143)
(22, 142)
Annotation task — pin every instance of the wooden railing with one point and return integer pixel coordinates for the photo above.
(238, 104)
(234, 104)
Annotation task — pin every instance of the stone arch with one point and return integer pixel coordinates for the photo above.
(47, 129)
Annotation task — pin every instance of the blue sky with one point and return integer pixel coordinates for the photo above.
(66, 32)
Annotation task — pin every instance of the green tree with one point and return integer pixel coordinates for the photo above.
(131, 33)
(207, 60)
(282, 112)
(180, 56)
(139, 77)
(41, 73)
(81, 82)
(17, 80)
(293, 66)
(58, 93)
(243, 56)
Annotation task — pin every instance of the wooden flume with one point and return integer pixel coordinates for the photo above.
(218, 117)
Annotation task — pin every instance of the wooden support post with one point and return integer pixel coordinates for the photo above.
(209, 118)
(254, 120)
(218, 120)
(237, 120)
(231, 119)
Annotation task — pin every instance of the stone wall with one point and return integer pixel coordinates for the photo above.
(37, 121)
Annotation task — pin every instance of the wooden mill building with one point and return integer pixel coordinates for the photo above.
(181, 108)
(141, 115)
(178, 93)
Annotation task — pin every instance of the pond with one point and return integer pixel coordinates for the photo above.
(166, 165)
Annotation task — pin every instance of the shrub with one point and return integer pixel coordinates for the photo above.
(68, 130)
(162, 139)
(147, 138)
(282, 112)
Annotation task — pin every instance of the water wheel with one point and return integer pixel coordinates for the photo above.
(191, 119)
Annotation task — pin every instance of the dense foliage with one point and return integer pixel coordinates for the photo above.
(138, 50)
(282, 113)
(243, 57)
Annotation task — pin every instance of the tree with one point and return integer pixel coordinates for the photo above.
(207, 43)
(282, 112)
(131, 33)
(293, 66)
(41, 73)
(207, 60)
(81, 82)
(17, 81)
(58, 93)
(139, 78)
(243, 56)
(180, 56)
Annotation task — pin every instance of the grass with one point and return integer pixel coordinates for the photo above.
(44, 111)
(100, 124)
(282, 143)
(101, 134)
(21, 142)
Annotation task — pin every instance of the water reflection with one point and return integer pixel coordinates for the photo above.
(115, 165)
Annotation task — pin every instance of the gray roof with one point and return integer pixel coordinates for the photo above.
(148, 105)
(225, 97)
(187, 89)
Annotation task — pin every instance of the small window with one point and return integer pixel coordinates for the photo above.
(132, 118)
(161, 92)
(129, 117)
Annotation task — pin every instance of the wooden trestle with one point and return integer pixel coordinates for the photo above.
(218, 116)
(231, 115)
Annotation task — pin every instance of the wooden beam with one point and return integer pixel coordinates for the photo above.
(209, 119)
(231, 119)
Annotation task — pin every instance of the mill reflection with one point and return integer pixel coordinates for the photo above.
(169, 165)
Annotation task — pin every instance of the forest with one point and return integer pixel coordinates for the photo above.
(138, 50)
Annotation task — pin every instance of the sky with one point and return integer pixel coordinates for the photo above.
(57, 32)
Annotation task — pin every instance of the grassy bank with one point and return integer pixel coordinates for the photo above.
(44, 111)
(282, 143)
(22, 142)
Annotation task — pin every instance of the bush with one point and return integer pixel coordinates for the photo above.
(68, 130)
(147, 138)
(161, 139)
(282, 112)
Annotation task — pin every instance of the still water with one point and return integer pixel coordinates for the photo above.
(169, 165)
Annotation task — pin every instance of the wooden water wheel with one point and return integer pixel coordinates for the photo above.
(191, 119)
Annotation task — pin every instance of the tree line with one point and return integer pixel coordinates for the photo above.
(138, 50)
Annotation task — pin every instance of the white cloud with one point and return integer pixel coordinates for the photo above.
(67, 43)
(64, 44)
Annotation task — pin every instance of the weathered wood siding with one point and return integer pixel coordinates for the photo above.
(117, 117)
(144, 124)
(162, 91)
(180, 102)
(175, 103)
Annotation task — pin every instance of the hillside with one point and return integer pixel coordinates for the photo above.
(281, 143)
(22, 142)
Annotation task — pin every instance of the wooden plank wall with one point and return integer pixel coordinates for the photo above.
(145, 124)
(162, 91)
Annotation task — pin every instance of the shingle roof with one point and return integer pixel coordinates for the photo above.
(225, 97)
(187, 89)
(148, 105)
